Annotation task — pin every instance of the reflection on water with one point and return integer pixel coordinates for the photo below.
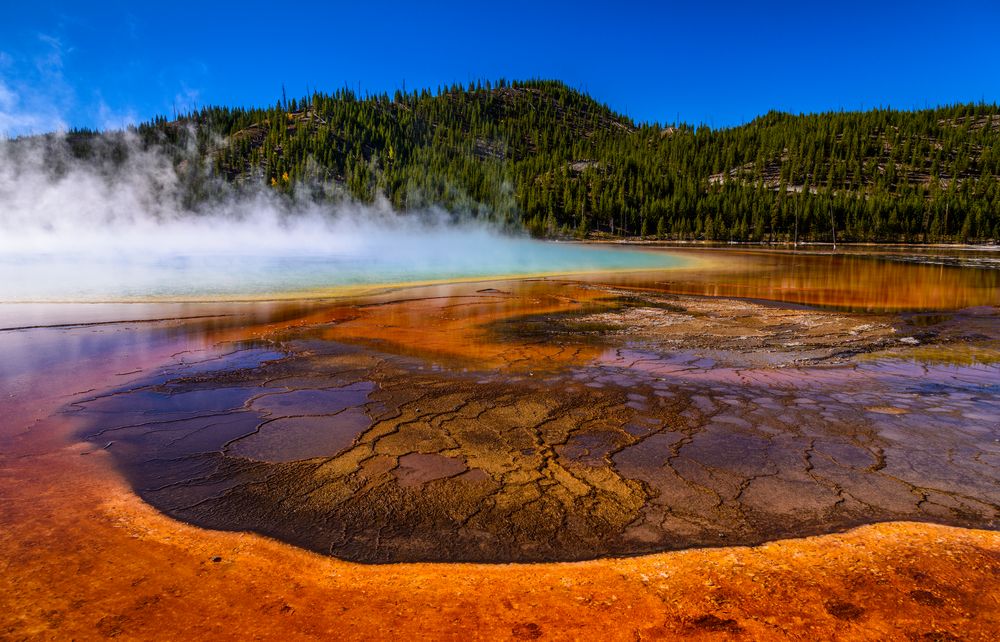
(448, 318)
(843, 281)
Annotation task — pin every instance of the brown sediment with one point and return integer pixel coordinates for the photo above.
(606, 422)
(451, 321)
(83, 557)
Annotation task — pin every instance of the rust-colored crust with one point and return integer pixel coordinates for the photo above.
(84, 558)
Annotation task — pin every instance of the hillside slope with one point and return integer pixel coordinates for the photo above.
(554, 159)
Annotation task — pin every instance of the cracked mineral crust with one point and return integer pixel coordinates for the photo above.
(606, 422)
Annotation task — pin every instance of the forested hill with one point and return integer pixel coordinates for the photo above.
(561, 163)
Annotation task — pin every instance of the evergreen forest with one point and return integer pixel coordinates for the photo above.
(543, 156)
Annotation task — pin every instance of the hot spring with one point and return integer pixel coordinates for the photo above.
(151, 272)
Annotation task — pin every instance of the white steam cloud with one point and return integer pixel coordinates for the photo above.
(53, 203)
(89, 230)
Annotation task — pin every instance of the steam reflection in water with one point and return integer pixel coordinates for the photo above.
(139, 276)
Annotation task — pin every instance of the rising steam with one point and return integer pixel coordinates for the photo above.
(53, 202)
(103, 229)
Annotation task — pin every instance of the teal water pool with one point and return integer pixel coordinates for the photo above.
(143, 275)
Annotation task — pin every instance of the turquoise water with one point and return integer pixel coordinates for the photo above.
(92, 276)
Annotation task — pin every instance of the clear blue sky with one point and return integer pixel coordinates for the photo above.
(65, 64)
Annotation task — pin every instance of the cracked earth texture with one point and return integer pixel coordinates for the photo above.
(82, 557)
(553, 421)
